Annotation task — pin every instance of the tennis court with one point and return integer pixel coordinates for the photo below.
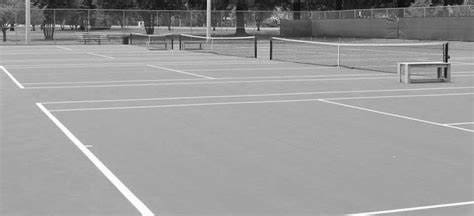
(122, 130)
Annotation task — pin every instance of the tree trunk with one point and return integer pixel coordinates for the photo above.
(149, 22)
(48, 31)
(168, 17)
(4, 31)
(240, 18)
(297, 9)
(339, 4)
(259, 16)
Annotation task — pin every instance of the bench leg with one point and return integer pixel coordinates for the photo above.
(399, 73)
(447, 72)
(407, 74)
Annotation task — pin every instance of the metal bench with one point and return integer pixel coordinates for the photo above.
(183, 47)
(87, 37)
(442, 72)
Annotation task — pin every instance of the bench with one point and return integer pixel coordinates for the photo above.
(183, 47)
(441, 71)
(117, 37)
(87, 37)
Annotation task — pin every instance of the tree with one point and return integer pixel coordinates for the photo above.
(240, 8)
(49, 21)
(150, 17)
(36, 14)
(7, 17)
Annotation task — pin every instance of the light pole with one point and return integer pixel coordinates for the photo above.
(208, 19)
(27, 21)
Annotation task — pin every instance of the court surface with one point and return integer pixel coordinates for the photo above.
(119, 130)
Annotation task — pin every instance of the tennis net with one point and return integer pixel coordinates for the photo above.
(375, 57)
(232, 46)
(152, 42)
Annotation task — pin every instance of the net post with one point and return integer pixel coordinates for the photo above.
(180, 42)
(130, 39)
(446, 52)
(172, 42)
(255, 47)
(271, 48)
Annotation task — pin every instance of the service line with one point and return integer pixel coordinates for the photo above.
(179, 71)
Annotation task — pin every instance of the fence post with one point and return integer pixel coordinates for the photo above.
(191, 20)
(123, 21)
(54, 18)
(271, 49)
(88, 20)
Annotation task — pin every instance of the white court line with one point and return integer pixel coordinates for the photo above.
(460, 123)
(12, 78)
(413, 209)
(217, 82)
(214, 104)
(202, 61)
(64, 48)
(104, 56)
(181, 105)
(206, 83)
(259, 95)
(114, 81)
(258, 69)
(394, 115)
(220, 78)
(137, 203)
(179, 71)
(102, 65)
(399, 96)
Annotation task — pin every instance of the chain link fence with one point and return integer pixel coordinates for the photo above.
(64, 26)
(384, 13)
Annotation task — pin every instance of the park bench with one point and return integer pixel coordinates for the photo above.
(427, 72)
(117, 37)
(88, 37)
(182, 44)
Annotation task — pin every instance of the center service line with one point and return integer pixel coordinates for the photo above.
(137, 203)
